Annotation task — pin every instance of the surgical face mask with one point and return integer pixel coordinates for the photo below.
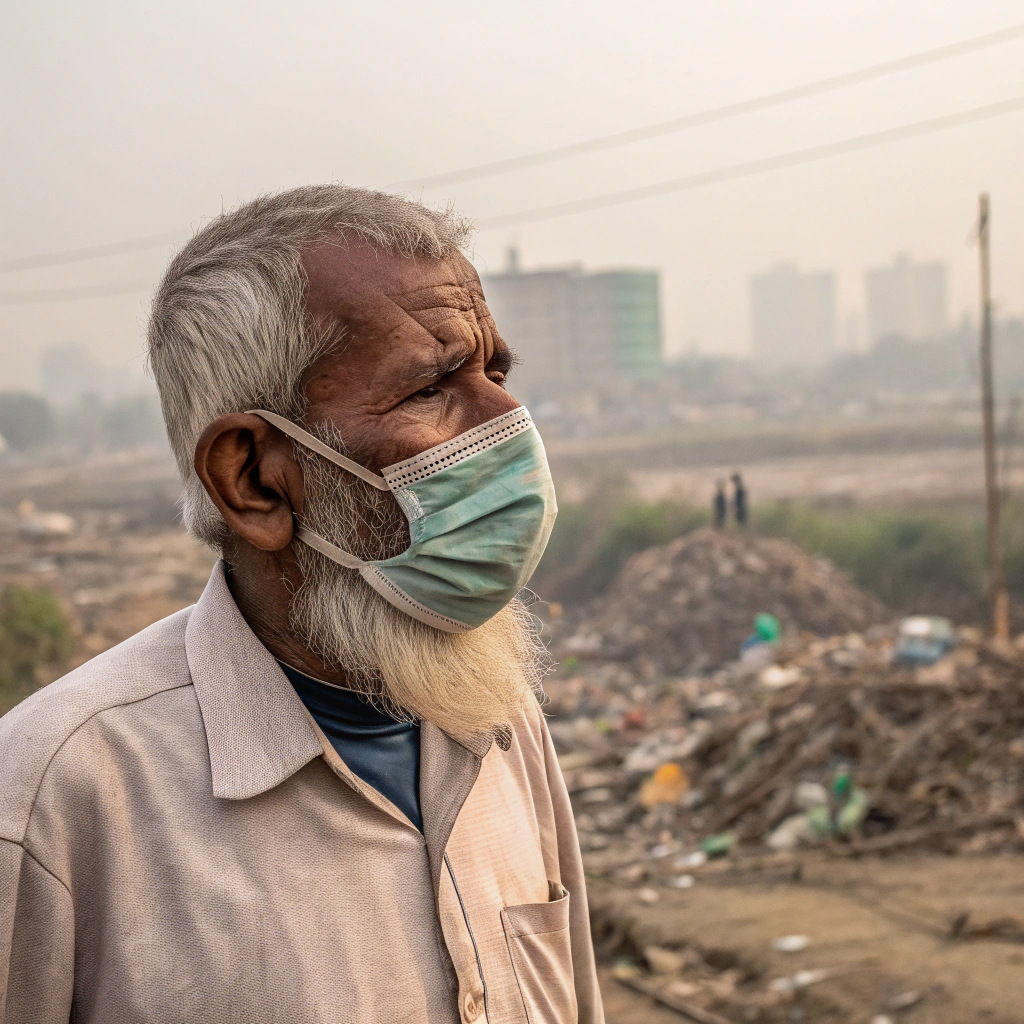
(480, 510)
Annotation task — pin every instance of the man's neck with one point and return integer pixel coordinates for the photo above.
(262, 583)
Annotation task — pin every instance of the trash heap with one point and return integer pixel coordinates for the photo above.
(833, 743)
(687, 606)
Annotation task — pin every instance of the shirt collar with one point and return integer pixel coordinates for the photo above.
(257, 729)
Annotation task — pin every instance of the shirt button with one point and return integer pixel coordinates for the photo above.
(472, 1007)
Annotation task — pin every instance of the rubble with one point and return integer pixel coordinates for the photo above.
(838, 745)
(687, 606)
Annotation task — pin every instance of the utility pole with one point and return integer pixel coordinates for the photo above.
(997, 587)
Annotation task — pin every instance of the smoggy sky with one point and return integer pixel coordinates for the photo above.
(124, 119)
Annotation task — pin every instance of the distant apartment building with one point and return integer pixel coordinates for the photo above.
(794, 316)
(576, 332)
(909, 299)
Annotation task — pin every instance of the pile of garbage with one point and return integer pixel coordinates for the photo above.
(686, 607)
(865, 742)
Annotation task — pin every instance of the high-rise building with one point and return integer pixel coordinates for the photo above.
(575, 331)
(794, 316)
(909, 299)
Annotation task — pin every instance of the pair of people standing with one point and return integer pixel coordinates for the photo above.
(720, 506)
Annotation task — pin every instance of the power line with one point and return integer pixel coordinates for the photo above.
(89, 252)
(92, 252)
(752, 167)
(720, 113)
(741, 170)
(73, 294)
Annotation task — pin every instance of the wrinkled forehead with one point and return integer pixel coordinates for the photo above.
(354, 280)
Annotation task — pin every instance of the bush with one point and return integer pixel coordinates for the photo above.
(34, 634)
(913, 561)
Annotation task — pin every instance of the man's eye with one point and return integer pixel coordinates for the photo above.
(431, 391)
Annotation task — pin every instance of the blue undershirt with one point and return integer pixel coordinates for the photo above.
(382, 751)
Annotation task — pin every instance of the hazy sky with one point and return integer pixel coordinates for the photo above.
(125, 119)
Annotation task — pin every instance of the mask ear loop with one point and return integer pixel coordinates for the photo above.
(304, 437)
(325, 547)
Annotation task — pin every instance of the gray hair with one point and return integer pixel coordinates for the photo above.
(228, 330)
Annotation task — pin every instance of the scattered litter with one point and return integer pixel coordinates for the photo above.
(791, 943)
(42, 525)
(802, 979)
(854, 753)
(923, 640)
(666, 786)
(718, 845)
(1000, 929)
(904, 1001)
(692, 860)
(648, 895)
(808, 795)
(684, 882)
(775, 677)
(664, 961)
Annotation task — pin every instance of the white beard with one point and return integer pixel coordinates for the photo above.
(464, 683)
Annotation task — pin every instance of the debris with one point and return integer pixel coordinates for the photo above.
(664, 961)
(1000, 929)
(688, 605)
(794, 831)
(809, 795)
(669, 998)
(904, 1001)
(775, 677)
(692, 860)
(718, 845)
(684, 882)
(923, 640)
(666, 786)
(42, 525)
(791, 943)
(802, 979)
(648, 895)
(857, 753)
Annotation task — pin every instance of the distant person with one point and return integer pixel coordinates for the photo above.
(739, 500)
(327, 791)
(720, 505)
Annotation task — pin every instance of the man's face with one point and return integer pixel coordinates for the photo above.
(421, 361)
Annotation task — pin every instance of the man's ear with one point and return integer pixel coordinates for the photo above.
(249, 472)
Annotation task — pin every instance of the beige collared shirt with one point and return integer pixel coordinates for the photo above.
(178, 843)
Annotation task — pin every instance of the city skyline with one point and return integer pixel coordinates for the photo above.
(128, 125)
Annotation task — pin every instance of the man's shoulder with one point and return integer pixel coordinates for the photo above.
(530, 729)
(31, 734)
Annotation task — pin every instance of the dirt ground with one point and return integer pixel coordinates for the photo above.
(882, 928)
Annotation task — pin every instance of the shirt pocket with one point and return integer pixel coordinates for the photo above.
(539, 944)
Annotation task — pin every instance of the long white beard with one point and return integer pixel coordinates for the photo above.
(464, 683)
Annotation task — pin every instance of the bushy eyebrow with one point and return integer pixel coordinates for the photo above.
(437, 367)
(502, 360)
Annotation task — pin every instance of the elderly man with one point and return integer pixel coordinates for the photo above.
(325, 793)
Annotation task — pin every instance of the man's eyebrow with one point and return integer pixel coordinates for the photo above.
(445, 296)
(437, 367)
(502, 360)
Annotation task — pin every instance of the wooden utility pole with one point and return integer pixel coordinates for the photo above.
(997, 587)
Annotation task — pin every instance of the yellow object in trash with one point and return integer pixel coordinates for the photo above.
(665, 786)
